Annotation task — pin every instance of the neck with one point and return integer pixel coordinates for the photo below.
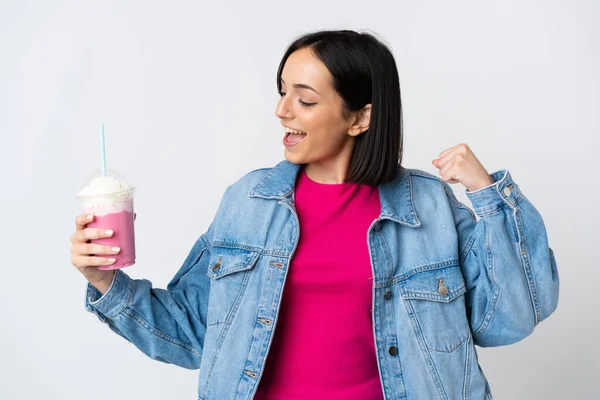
(327, 172)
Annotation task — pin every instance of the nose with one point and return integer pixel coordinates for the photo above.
(283, 110)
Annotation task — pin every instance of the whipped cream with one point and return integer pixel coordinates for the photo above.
(106, 195)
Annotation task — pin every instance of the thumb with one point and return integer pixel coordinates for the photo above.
(436, 162)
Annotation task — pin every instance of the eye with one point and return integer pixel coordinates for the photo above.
(304, 104)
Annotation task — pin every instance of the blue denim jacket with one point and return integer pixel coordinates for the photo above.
(443, 282)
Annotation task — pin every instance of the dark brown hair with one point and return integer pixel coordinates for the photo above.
(364, 72)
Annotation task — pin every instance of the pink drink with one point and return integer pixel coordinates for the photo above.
(124, 237)
(110, 200)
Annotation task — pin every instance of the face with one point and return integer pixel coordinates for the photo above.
(311, 107)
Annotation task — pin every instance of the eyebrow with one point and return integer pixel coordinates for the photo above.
(303, 86)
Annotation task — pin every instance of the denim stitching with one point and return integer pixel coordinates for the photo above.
(159, 334)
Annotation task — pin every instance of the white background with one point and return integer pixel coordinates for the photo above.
(187, 93)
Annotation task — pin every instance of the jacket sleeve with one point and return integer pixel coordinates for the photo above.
(167, 325)
(509, 269)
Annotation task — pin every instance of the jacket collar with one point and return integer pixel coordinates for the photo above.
(395, 196)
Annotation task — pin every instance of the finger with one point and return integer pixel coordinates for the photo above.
(444, 161)
(436, 163)
(90, 233)
(87, 261)
(82, 220)
(463, 148)
(451, 174)
(93, 248)
(448, 170)
(449, 150)
(447, 155)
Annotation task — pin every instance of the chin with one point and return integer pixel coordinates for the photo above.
(293, 158)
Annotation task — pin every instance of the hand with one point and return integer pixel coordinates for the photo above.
(459, 164)
(83, 252)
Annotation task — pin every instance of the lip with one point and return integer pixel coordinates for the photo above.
(289, 127)
(287, 143)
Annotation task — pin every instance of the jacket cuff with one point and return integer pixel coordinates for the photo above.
(504, 191)
(114, 301)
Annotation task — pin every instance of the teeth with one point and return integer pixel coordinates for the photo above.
(290, 130)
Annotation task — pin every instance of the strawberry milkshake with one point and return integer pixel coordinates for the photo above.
(110, 199)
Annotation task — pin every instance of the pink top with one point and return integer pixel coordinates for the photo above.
(323, 346)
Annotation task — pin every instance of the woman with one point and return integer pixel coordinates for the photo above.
(389, 280)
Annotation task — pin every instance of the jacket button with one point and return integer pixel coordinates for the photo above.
(393, 350)
(377, 226)
(507, 190)
(387, 295)
(217, 264)
(442, 289)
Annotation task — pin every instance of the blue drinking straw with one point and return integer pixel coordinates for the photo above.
(102, 150)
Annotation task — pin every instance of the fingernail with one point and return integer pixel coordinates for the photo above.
(108, 232)
(112, 260)
(89, 217)
(115, 249)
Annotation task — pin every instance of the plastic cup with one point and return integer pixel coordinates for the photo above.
(110, 199)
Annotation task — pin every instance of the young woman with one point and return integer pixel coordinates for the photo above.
(338, 273)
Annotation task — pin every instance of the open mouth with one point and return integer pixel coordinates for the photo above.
(293, 136)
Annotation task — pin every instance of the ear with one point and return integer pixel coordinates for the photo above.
(362, 119)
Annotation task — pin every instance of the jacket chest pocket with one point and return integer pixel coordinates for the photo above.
(229, 270)
(436, 305)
